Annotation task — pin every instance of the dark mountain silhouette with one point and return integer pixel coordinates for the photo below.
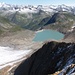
(52, 57)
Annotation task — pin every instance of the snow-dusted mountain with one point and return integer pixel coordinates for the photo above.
(34, 9)
(59, 17)
(37, 17)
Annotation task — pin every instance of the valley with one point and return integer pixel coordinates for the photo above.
(22, 54)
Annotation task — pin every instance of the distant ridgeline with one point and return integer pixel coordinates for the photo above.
(59, 18)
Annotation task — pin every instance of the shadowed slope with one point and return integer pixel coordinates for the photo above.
(52, 57)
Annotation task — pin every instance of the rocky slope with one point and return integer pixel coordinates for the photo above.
(63, 22)
(20, 40)
(52, 57)
(8, 27)
(69, 70)
(70, 36)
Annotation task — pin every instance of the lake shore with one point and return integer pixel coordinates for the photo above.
(43, 35)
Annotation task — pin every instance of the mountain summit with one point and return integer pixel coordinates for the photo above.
(35, 9)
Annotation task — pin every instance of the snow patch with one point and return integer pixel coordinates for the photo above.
(8, 56)
(39, 31)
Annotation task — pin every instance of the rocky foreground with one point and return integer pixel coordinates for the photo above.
(53, 58)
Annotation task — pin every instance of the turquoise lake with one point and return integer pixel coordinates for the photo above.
(47, 35)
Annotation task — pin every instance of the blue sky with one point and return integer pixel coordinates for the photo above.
(38, 2)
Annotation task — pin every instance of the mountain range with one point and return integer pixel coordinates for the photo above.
(18, 24)
(36, 17)
(35, 9)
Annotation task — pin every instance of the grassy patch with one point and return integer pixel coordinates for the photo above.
(16, 28)
(1, 32)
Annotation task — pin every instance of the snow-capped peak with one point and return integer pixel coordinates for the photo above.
(4, 5)
(33, 9)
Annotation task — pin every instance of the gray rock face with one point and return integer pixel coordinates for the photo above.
(52, 57)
